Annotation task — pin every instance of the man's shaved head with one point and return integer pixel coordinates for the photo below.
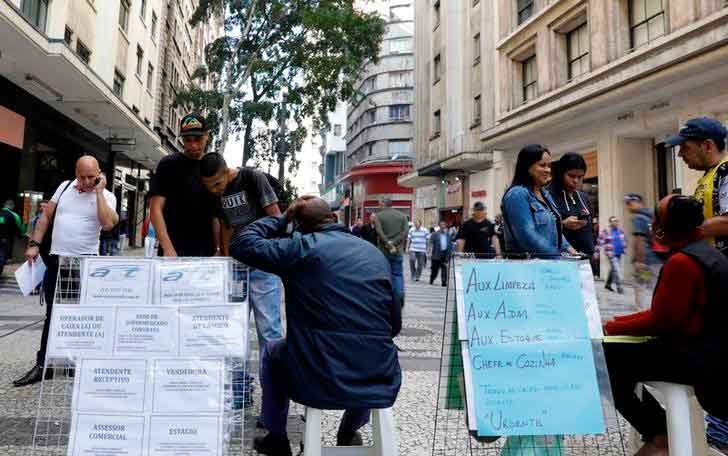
(311, 213)
(87, 170)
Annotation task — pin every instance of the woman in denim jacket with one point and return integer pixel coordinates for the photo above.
(532, 221)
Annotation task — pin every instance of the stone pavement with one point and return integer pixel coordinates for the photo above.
(420, 340)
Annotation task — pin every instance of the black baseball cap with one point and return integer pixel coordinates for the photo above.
(700, 128)
(478, 206)
(192, 125)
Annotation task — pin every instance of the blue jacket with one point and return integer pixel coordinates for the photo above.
(340, 309)
(530, 226)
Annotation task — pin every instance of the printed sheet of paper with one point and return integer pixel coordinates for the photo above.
(104, 435)
(116, 282)
(146, 331)
(78, 332)
(111, 385)
(193, 386)
(185, 435)
(213, 331)
(191, 283)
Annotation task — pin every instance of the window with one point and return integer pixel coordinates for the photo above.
(476, 48)
(401, 13)
(150, 77)
(36, 11)
(436, 12)
(400, 79)
(154, 26)
(143, 9)
(647, 21)
(577, 45)
(399, 148)
(400, 45)
(477, 110)
(337, 129)
(119, 80)
(370, 84)
(399, 112)
(370, 116)
(438, 68)
(525, 10)
(529, 78)
(140, 60)
(437, 123)
(68, 36)
(83, 52)
(124, 15)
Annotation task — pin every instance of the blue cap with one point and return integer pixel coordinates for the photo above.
(700, 128)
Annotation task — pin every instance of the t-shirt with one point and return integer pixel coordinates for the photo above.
(76, 226)
(189, 208)
(245, 198)
(642, 226)
(478, 236)
(715, 204)
(576, 205)
(418, 239)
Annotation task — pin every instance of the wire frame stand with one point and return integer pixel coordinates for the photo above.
(452, 436)
(55, 403)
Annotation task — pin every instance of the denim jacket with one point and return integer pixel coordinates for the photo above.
(530, 226)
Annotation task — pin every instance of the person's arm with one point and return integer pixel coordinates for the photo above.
(380, 230)
(40, 230)
(497, 246)
(217, 236)
(160, 226)
(226, 235)
(716, 226)
(258, 246)
(523, 228)
(272, 210)
(400, 236)
(107, 215)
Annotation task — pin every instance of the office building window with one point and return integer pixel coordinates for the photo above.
(399, 148)
(647, 21)
(68, 36)
(525, 10)
(370, 84)
(399, 112)
(530, 79)
(476, 48)
(400, 79)
(437, 72)
(143, 9)
(36, 11)
(477, 110)
(370, 149)
(370, 116)
(150, 77)
(577, 44)
(140, 60)
(119, 80)
(436, 123)
(124, 15)
(83, 52)
(154, 26)
(436, 12)
(400, 45)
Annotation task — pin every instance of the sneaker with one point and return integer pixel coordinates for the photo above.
(348, 439)
(609, 287)
(273, 446)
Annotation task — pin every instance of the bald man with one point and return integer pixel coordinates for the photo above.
(82, 207)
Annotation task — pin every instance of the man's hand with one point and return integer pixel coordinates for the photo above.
(170, 252)
(573, 223)
(99, 188)
(31, 253)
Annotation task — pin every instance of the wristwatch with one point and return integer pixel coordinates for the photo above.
(33, 243)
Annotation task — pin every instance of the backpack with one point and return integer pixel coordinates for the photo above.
(284, 198)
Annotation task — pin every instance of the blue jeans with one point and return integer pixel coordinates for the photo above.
(109, 247)
(274, 380)
(397, 275)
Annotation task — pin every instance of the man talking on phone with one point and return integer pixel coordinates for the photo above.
(79, 210)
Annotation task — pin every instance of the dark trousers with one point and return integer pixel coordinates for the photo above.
(274, 380)
(630, 364)
(438, 266)
(49, 290)
(5, 253)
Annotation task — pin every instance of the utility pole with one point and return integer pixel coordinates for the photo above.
(282, 148)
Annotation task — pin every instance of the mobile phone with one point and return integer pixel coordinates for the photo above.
(583, 217)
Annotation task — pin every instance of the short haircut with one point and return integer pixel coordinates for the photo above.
(720, 144)
(212, 164)
(387, 202)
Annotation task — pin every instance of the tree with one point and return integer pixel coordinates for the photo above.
(298, 56)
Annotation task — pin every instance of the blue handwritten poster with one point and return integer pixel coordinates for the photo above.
(530, 353)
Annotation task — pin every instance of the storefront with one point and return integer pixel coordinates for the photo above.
(373, 182)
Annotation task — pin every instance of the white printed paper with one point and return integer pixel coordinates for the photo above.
(29, 275)
(191, 386)
(213, 331)
(115, 282)
(146, 331)
(111, 385)
(78, 332)
(105, 435)
(185, 435)
(192, 283)
(591, 305)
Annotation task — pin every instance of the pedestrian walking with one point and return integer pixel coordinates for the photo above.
(532, 222)
(77, 212)
(11, 226)
(441, 247)
(645, 261)
(702, 144)
(478, 236)
(613, 243)
(356, 228)
(417, 249)
(182, 210)
(392, 227)
(342, 316)
(369, 231)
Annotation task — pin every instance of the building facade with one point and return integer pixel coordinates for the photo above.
(609, 80)
(333, 161)
(379, 122)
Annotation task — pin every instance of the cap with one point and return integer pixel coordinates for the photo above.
(478, 206)
(192, 125)
(699, 128)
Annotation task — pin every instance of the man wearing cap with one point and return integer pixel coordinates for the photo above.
(478, 236)
(702, 144)
(183, 212)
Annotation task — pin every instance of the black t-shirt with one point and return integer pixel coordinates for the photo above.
(478, 236)
(577, 205)
(189, 208)
(246, 197)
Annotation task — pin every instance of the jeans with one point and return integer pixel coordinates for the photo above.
(395, 264)
(615, 272)
(274, 380)
(109, 247)
(644, 286)
(265, 300)
(417, 262)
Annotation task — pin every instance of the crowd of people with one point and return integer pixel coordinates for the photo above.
(345, 288)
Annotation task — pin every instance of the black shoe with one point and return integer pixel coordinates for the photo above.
(348, 439)
(273, 446)
(33, 376)
(609, 287)
(444, 284)
(620, 290)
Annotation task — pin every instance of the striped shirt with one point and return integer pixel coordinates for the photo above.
(418, 239)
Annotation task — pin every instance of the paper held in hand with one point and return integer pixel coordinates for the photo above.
(30, 275)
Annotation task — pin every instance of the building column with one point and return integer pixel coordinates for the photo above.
(455, 109)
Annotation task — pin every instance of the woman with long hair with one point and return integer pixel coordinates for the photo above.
(532, 223)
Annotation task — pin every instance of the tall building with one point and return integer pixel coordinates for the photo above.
(609, 80)
(379, 121)
(333, 158)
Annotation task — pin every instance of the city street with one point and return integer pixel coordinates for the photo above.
(420, 341)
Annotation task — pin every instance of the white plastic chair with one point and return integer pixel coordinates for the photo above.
(383, 433)
(685, 419)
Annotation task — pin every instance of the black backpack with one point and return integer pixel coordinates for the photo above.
(284, 198)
